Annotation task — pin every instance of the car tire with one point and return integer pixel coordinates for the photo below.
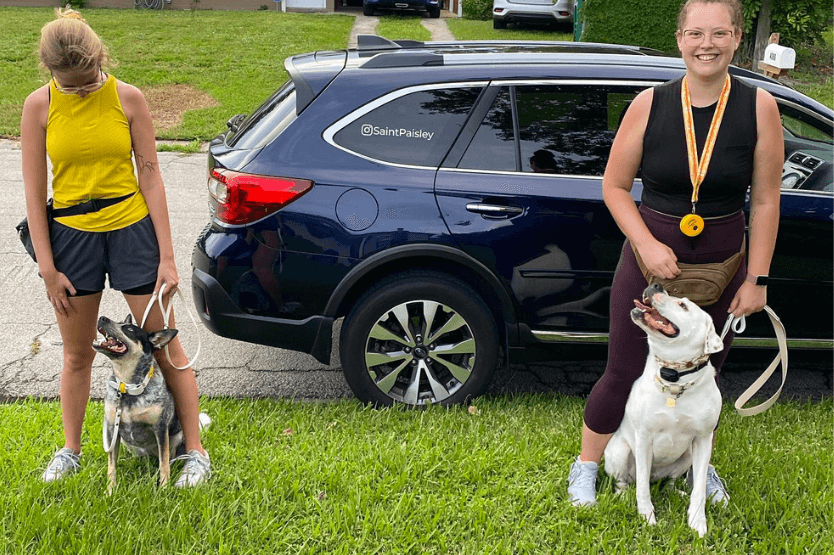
(389, 357)
(434, 12)
(499, 24)
(367, 10)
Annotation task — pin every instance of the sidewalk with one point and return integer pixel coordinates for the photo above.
(366, 25)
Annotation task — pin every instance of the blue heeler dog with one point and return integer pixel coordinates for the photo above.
(138, 406)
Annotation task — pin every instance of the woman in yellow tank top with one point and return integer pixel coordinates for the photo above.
(91, 126)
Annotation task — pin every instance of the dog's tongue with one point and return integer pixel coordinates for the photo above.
(653, 318)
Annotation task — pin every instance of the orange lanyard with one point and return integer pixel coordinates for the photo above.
(698, 169)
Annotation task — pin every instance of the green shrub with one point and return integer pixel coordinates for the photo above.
(477, 9)
(650, 23)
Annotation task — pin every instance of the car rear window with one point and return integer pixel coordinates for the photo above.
(415, 129)
(268, 121)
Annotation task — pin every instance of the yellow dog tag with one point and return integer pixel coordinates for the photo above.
(670, 402)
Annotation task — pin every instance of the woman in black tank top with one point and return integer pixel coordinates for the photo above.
(747, 153)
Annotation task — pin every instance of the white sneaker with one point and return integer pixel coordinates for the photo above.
(582, 483)
(716, 488)
(64, 462)
(197, 469)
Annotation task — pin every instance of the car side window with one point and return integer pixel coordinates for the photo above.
(493, 146)
(414, 129)
(568, 129)
(561, 129)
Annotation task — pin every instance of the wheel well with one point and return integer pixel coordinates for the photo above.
(469, 276)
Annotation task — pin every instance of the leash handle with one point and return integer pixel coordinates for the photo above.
(166, 317)
(738, 325)
(782, 358)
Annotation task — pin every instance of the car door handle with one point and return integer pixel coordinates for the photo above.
(494, 210)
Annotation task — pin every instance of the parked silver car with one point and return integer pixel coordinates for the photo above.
(531, 11)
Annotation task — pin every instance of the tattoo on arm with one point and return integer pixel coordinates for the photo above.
(142, 164)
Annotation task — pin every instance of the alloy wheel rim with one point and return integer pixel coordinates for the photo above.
(420, 352)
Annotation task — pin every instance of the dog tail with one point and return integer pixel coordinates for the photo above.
(205, 421)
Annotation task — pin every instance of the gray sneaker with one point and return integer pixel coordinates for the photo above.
(64, 462)
(197, 469)
(716, 488)
(582, 482)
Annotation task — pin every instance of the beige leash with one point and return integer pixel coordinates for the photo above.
(738, 326)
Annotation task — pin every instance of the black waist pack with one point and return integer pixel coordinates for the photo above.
(84, 208)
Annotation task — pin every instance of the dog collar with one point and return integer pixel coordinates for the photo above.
(673, 371)
(130, 388)
(673, 389)
(672, 375)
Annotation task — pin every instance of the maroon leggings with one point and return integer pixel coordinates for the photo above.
(627, 347)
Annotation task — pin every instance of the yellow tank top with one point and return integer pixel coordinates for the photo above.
(88, 142)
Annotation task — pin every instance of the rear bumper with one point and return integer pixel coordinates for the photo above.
(220, 315)
(515, 15)
(419, 5)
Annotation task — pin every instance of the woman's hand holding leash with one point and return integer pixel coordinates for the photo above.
(167, 278)
(750, 298)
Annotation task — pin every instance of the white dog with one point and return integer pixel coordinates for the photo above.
(673, 407)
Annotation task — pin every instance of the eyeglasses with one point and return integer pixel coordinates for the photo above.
(89, 87)
(720, 38)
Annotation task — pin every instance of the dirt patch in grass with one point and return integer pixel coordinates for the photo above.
(169, 102)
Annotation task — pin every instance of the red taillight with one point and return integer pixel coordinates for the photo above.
(243, 198)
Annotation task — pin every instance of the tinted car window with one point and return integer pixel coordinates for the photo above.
(415, 129)
(562, 129)
(493, 146)
(268, 121)
(567, 129)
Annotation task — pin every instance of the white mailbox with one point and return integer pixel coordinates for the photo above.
(780, 57)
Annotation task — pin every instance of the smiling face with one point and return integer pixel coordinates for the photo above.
(708, 40)
(677, 329)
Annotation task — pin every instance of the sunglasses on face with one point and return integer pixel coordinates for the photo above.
(88, 87)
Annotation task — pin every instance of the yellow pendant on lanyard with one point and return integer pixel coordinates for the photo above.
(692, 224)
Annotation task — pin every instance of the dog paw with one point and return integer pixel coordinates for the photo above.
(648, 514)
(699, 524)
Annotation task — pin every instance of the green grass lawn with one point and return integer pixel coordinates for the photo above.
(236, 57)
(337, 477)
(406, 26)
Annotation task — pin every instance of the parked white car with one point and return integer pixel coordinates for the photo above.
(531, 11)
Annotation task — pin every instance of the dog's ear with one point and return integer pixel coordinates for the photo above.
(714, 342)
(128, 319)
(159, 339)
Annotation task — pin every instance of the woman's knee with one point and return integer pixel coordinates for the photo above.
(78, 360)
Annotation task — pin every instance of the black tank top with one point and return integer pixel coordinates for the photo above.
(664, 169)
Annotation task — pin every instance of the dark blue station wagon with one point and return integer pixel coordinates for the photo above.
(445, 199)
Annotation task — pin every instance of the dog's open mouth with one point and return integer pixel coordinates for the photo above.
(110, 344)
(654, 320)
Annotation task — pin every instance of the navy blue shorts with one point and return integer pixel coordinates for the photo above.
(129, 257)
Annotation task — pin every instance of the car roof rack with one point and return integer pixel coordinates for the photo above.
(375, 42)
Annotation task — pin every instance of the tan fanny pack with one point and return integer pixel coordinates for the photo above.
(702, 284)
